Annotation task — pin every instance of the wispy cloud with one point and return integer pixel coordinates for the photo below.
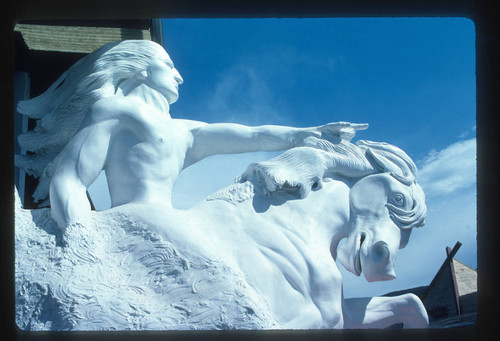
(242, 95)
(468, 133)
(451, 169)
(253, 90)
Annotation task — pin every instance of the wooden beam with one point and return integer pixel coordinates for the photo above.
(448, 259)
(454, 278)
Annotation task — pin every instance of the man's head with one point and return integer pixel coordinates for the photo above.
(116, 62)
(162, 76)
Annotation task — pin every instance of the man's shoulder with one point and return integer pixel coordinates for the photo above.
(190, 124)
(115, 107)
(113, 103)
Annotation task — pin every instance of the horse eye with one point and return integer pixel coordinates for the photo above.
(399, 199)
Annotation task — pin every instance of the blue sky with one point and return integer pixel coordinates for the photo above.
(411, 79)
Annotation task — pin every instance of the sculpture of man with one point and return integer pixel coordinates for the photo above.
(111, 111)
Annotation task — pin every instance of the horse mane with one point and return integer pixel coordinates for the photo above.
(304, 168)
(61, 109)
(390, 159)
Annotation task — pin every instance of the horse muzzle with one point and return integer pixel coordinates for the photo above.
(377, 262)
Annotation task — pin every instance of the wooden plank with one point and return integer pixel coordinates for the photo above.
(454, 280)
(142, 24)
(78, 39)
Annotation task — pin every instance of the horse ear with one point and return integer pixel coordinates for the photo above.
(380, 162)
(392, 163)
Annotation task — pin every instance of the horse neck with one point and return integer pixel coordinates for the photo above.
(322, 217)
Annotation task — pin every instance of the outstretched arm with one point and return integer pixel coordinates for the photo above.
(230, 138)
(383, 312)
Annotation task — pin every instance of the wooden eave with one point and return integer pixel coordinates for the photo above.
(79, 39)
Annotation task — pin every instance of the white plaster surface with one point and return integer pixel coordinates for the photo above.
(116, 274)
(245, 257)
(258, 254)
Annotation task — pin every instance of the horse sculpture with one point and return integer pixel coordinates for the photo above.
(286, 243)
(282, 223)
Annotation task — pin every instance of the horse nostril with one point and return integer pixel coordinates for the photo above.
(380, 251)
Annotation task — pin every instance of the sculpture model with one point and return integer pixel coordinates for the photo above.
(260, 253)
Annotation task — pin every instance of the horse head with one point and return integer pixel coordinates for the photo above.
(383, 209)
(385, 201)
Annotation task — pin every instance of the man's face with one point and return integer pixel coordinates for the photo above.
(163, 77)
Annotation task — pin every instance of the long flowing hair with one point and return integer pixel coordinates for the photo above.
(61, 109)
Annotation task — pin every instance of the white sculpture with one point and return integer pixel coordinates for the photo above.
(279, 226)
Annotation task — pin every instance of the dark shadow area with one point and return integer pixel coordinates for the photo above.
(43, 219)
(261, 203)
(127, 33)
